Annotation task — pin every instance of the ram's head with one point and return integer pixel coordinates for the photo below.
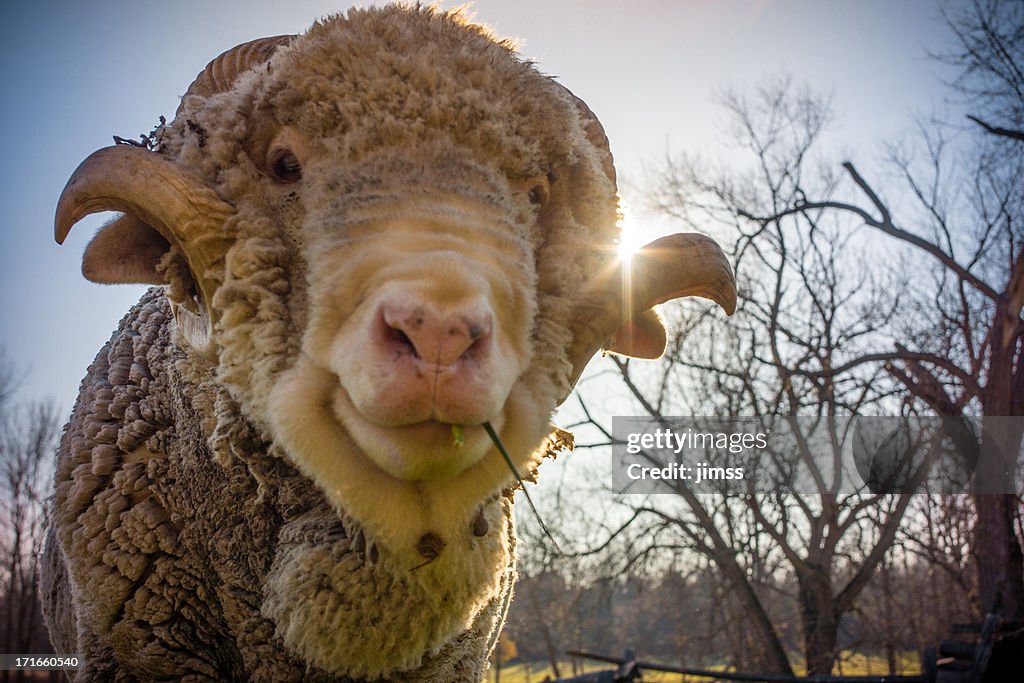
(378, 230)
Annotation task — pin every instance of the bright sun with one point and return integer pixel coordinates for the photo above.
(629, 234)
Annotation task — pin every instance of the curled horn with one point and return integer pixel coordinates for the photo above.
(155, 193)
(675, 266)
(618, 301)
(220, 74)
(164, 205)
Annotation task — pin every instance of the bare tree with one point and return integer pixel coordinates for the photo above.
(835, 321)
(28, 436)
(846, 310)
(801, 312)
(961, 352)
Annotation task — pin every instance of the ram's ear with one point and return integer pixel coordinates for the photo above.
(643, 336)
(125, 251)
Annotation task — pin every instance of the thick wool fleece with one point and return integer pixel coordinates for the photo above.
(212, 519)
(172, 542)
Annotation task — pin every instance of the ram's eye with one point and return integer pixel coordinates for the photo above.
(285, 166)
(539, 194)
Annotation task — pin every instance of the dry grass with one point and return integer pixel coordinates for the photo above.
(854, 664)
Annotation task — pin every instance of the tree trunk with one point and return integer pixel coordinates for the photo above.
(820, 621)
(549, 641)
(997, 551)
(997, 555)
(890, 628)
(774, 653)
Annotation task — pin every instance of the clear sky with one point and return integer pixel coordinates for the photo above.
(76, 73)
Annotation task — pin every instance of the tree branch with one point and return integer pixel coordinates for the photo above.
(845, 597)
(901, 354)
(886, 225)
(996, 130)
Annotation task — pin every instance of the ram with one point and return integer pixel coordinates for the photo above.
(371, 241)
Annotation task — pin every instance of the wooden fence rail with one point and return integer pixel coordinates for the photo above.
(638, 665)
(994, 654)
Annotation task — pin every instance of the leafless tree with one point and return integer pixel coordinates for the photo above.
(27, 441)
(802, 311)
(960, 351)
(904, 300)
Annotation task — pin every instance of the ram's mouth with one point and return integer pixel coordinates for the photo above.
(456, 431)
(422, 450)
(444, 435)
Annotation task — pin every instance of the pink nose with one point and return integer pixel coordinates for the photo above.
(434, 337)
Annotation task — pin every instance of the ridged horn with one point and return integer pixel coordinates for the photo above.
(161, 194)
(675, 266)
(158, 197)
(220, 74)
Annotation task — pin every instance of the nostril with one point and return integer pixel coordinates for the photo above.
(391, 334)
(478, 332)
(478, 326)
(401, 341)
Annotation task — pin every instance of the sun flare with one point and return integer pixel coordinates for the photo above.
(629, 240)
